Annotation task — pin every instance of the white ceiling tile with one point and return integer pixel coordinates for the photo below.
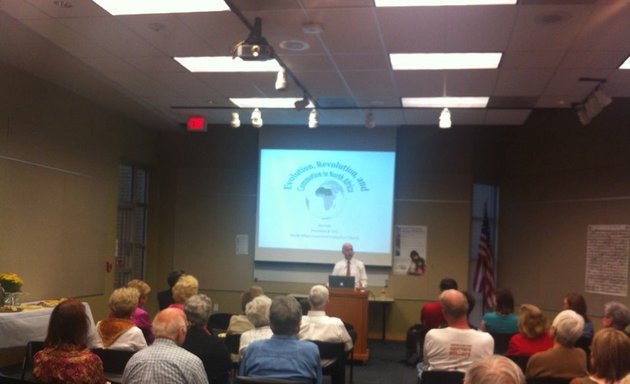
(602, 31)
(170, 35)
(593, 59)
(66, 38)
(109, 64)
(370, 84)
(522, 82)
(534, 59)
(507, 116)
(111, 35)
(531, 32)
(362, 62)
(79, 8)
(349, 31)
(21, 10)
(415, 29)
(618, 84)
(479, 29)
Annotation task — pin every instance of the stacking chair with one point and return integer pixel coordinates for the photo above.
(547, 380)
(336, 351)
(442, 377)
(219, 322)
(233, 343)
(521, 361)
(267, 380)
(27, 364)
(501, 341)
(114, 362)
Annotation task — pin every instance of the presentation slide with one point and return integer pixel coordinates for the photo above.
(312, 201)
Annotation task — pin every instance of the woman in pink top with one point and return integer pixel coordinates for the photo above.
(140, 316)
(533, 336)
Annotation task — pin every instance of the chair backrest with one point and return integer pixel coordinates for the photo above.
(330, 350)
(114, 361)
(333, 351)
(32, 347)
(501, 341)
(233, 342)
(442, 377)
(548, 380)
(219, 322)
(267, 380)
(521, 361)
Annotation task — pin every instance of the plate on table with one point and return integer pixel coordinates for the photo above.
(10, 309)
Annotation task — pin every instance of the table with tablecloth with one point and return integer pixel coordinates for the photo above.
(29, 324)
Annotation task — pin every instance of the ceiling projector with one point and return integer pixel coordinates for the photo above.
(251, 52)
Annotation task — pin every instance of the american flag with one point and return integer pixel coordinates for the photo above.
(484, 272)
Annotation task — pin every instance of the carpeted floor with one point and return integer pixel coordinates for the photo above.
(383, 366)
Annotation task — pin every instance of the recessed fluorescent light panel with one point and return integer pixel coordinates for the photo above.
(226, 64)
(275, 102)
(437, 3)
(626, 64)
(146, 7)
(429, 61)
(444, 102)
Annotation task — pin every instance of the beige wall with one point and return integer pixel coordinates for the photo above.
(555, 177)
(208, 194)
(560, 177)
(59, 157)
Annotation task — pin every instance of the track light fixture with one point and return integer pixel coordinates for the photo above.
(592, 106)
(257, 120)
(370, 122)
(282, 83)
(445, 119)
(313, 120)
(235, 122)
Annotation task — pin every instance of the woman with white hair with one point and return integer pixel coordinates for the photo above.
(563, 360)
(257, 312)
(212, 351)
(494, 369)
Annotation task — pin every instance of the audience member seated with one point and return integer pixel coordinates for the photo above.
(616, 315)
(563, 360)
(140, 316)
(316, 325)
(495, 369)
(610, 358)
(503, 319)
(65, 357)
(186, 287)
(165, 298)
(457, 346)
(165, 361)
(283, 356)
(257, 312)
(212, 351)
(576, 302)
(533, 336)
(118, 331)
(430, 317)
(239, 323)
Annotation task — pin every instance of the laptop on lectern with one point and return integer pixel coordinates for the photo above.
(340, 281)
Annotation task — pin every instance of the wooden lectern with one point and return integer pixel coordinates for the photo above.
(351, 307)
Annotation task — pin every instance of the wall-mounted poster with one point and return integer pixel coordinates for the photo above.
(410, 250)
(607, 250)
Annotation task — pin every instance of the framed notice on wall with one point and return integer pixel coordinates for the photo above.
(607, 249)
(410, 251)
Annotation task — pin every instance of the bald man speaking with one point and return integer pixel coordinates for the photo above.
(350, 266)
